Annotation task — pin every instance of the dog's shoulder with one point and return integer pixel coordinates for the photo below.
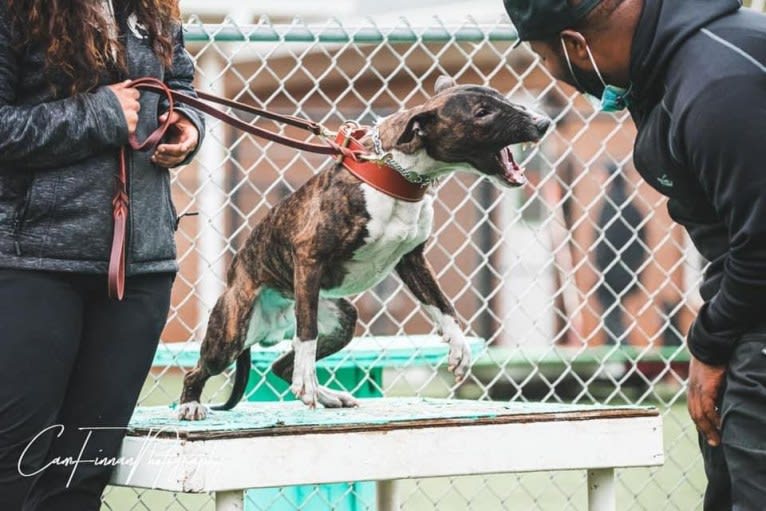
(334, 195)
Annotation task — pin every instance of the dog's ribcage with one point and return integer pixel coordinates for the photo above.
(395, 228)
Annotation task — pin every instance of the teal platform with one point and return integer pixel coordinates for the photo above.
(266, 419)
(357, 369)
(385, 440)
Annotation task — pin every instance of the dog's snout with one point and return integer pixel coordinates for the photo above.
(542, 124)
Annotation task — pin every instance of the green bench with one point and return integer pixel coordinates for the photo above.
(505, 373)
(580, 360)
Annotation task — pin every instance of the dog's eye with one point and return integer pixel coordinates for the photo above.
(481, 112)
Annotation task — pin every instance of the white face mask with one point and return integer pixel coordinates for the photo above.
(613, 98)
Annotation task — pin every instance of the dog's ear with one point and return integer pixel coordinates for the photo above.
(443, 83)
(415, 127)
(407, 131)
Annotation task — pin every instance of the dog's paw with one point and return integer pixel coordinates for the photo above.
(306, 388)
(336, 399)
(305, 385)
(459, 359)
(192, 411)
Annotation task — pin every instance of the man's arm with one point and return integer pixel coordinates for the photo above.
(724, 137)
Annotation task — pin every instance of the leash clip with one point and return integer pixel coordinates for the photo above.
(343, 147)
(347, 129)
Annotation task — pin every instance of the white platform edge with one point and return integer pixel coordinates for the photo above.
(260, 462)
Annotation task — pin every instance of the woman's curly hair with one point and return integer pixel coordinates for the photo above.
(78, 39)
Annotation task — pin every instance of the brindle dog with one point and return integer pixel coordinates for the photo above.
(337, 236)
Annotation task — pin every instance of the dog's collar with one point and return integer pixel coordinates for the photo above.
(377, 171)
(412, 177)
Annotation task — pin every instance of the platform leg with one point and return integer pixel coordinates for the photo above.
(601, 490)
(388, 495)
(233, 500)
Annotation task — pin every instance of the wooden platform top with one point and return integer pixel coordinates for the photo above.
(380, 414)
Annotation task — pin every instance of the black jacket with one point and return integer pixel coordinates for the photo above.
(59, 158)
(699, 73)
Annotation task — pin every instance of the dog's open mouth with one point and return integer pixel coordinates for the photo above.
(512, 173)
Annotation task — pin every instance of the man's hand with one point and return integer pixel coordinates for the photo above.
(182, 139)
(705, 383)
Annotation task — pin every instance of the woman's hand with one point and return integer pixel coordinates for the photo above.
(128, 98)
(182, 138)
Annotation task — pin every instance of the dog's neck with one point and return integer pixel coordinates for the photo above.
(421, 164)
(418, 165)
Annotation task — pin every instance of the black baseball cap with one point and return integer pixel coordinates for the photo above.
(541, 19)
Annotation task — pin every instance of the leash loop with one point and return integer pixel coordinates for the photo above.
(120, 201)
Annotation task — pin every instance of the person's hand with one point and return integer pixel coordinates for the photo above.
(181, 140)
(705, 383)
(128, 98)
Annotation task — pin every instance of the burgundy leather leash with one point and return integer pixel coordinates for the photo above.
(329, 147)
(121, 201)
(346, 147)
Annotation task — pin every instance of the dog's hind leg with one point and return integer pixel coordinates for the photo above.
(337, 321)
(224, 341)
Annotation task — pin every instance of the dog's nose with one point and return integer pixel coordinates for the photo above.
(542, 124)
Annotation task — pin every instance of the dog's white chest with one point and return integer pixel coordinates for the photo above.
(395, 228)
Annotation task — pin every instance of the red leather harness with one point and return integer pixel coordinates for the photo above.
(373, 172)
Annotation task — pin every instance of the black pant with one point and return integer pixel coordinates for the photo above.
(70, 358)
(736, 470)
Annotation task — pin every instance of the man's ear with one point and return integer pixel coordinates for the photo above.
(407, 131)
(577, 47)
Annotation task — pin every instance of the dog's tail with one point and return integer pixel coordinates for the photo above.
(241, 375)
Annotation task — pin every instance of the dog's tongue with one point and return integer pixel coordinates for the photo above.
(512, 173)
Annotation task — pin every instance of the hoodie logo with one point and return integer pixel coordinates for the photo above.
(665, 181)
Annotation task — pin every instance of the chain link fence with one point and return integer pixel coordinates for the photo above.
(579, 285)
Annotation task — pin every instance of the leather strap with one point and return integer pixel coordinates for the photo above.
(328, 147)
(120, 201)
(116, 275)
(381, 177)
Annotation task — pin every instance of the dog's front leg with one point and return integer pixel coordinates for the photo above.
(307, 276)
(418, 276)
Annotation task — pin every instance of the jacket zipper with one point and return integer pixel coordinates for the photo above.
(129, 225)
(175, 219)
(18, 219)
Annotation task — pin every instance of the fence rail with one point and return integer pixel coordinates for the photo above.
(300, 33)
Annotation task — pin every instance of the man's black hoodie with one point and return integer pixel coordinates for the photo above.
(698, 69)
